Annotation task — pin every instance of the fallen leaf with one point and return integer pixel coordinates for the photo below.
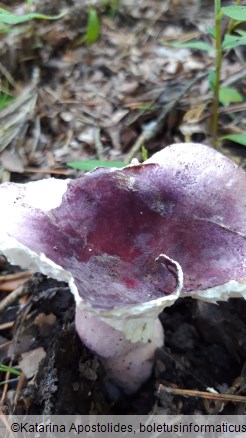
(8, 286)
(43, 319)
(30, 361)
(11, 161)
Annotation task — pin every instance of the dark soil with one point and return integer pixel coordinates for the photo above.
(205, 347)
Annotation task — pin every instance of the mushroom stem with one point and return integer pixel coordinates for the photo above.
(125, 339)
(129, 364)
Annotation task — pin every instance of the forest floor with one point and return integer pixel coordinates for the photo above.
(128, 94)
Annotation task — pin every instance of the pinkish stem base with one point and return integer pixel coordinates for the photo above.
(129, 364)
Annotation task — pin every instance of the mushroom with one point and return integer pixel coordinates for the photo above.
(130, 242)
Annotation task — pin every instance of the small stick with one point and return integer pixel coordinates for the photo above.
(21, 382)
(13, 296)
(5, 388)
(16, 276)
(9, 77)
(202, 394)
(45, 170)
(148, 134)
(5, 326)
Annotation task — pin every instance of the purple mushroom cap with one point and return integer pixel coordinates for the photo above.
(187, 202)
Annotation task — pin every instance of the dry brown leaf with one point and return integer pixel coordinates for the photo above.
(43, 319)
(11, 161)
(30, 361)
(8, 286)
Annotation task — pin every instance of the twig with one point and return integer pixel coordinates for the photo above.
(16, 276)
(45, 170)
(233, 108)
(203, 394)
(234, 78)
(21, 383)
(5, 326)
(13, 296)
(157, 126)
(9, 77)
(5, 388)
(98, 144)
(6, 382)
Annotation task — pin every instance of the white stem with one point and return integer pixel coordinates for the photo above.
(129, 364)
(126, 341)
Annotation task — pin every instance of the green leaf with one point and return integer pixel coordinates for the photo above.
(88, 165)
(241, 32)
(12, 19)
(146, 107)
(196, 45)
(93, 27)
(237, 13)
(237, 138)
(6, 369)
(4, 28)
(5, 100)
(211, 79)
(211, 31)
(229, 95)
(144, 153)
(231, 41)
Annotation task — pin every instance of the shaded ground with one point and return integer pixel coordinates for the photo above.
(205, 346)
(74, 101)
